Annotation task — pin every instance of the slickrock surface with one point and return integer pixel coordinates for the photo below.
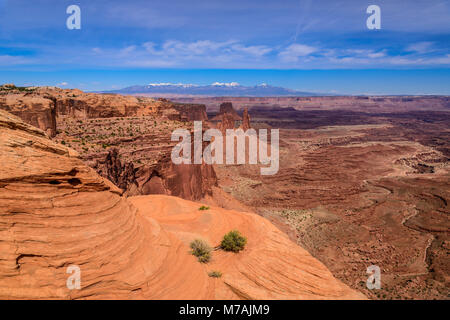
(56, 212)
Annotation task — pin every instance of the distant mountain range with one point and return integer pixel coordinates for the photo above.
(216, 89)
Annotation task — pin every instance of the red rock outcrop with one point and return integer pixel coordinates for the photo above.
(245, 120)
(149, 125)
(227, 122)
(38, 111)
(362, 103)
(192, 112)
(56, 212)
(42, 106)
(134, 153)
(191, 182)
(227, 108)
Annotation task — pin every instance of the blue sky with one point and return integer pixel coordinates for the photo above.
(319, 46)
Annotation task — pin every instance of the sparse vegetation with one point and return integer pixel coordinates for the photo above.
(203, 208)
(215, 274)
(201, 249)
(233, 241)
(11, 87)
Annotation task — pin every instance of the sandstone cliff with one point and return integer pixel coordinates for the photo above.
(192, 112)
(57, 212)
(245, 120)
(138, 128)
(42, 106)
(38, 111)
(227, 108)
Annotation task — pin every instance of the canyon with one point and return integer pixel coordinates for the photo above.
(58, 212)
(358, 189)
(362, 181)
(126, 139)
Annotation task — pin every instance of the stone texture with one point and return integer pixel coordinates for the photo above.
(93, 124)
(192, 112)
(245, 120)
(57, 212)
(38, 111)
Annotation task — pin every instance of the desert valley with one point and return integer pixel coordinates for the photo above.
(87, 180)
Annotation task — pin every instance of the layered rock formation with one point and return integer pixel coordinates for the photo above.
(41, 106)
(192, 112)
(354, 103)
(57, 212)
(38, 111)
(358, 189)
(226, 108)
(138, 128)
(191, 182)
(134, 153)
(245, 120)
(226, 122)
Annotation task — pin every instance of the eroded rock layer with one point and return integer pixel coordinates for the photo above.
(124, 138)
(57, 212)
(41, 106)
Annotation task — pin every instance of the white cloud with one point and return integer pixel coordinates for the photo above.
(63, 84)
(127, 50)
(236, 54)
(294, 51)
(379, 54)
(7, 60)
(253, 50)
(175, 47)
(421, 47)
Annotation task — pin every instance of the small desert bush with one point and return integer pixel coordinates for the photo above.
(215, 274)
(203, 208)
(201, 250)
(233, 241)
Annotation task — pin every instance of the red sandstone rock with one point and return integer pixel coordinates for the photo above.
(38, 111)
(57, 212)
(227, 122)
(227, 108)
(192, 112)
(245, 120)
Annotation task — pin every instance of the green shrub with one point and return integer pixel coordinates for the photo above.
(203, 208)
(201, 250)
(215, 274)
(233, 241)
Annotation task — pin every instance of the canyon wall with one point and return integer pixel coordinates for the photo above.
(57, 214)
(192, 112)
(126, 139)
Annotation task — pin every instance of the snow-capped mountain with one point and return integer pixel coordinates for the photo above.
(232, 89)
